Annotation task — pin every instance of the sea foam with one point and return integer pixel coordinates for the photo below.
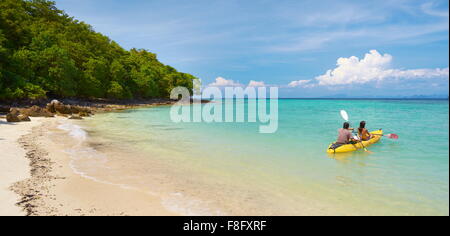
(75, 131)
(188, 206)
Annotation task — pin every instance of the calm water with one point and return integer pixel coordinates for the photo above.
(229, 168)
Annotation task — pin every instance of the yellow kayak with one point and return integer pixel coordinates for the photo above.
(354, 147)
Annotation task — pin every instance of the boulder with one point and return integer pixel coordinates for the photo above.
(74, 109)
(56, 106)
(63, 109)
(75, 117)
(36, 111)
(79, 109)
(23, 118)
(84, 114)
(51, 106)
(13, 116)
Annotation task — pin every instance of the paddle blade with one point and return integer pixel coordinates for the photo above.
(366, 150)
(344, 115)
(392, 136)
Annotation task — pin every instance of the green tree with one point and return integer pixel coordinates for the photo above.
(46, 53)
(3, 56)
(116, 91)
(95, 78)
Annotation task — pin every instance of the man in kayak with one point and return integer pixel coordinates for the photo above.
(363, 133)
(345, 135)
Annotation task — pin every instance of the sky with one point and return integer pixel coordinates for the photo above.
(317, 48)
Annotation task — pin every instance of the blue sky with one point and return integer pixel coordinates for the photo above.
(401, 46)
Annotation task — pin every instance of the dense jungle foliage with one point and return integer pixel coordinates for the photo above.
(46, 53)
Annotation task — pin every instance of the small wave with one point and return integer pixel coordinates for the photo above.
(80, 152)
(74, 131)
(82, 155)
(188, 206)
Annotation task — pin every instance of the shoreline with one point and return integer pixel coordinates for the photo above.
(54, 189)
(37, 180)
(97, 105)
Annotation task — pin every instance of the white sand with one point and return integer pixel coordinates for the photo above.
(60, 191)
(14, 166)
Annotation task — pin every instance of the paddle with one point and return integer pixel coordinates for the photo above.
(391, 136)
(345, 116)
(365, 149)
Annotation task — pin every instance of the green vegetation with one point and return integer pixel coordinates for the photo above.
(46, 53)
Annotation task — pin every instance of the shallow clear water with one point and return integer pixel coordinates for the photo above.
(230, 168)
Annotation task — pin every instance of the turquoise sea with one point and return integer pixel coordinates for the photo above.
(232, 169)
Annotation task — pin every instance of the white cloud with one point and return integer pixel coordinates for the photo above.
(381, 35)
(374, 67)
(222, 82)
(430, 9)
(256, 84)
(298, 83)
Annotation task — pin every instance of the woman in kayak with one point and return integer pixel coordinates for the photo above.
(363, 134)
(345, 135)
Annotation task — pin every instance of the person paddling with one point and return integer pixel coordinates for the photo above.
(363, 133)
(345, 134)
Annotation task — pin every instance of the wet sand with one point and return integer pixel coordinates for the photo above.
(44, 184)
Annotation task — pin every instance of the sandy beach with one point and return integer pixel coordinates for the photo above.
(14, 166)
(37, 179)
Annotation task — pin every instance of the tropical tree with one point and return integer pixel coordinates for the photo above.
(46, 53)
